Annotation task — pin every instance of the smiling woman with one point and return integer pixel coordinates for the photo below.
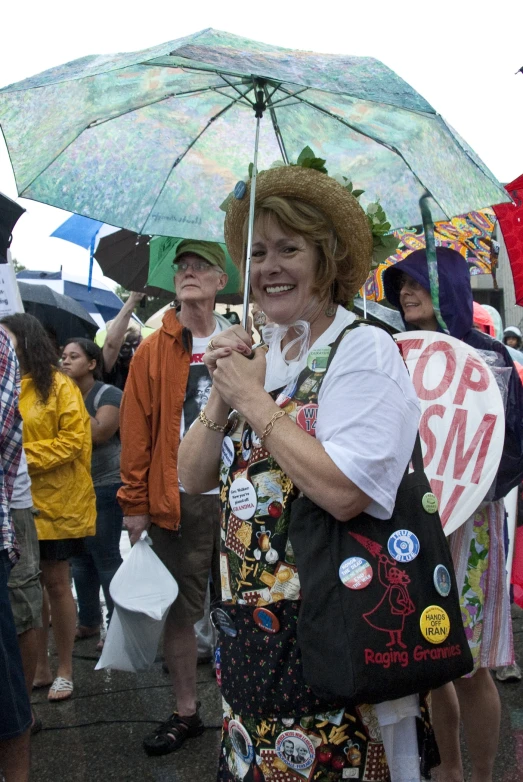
(342, 436)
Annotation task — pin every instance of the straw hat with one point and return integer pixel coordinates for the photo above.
(339, 206)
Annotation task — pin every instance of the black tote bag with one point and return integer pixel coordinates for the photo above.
(396, 629)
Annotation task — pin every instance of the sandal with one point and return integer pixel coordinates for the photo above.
(60, 685)
(170, 735)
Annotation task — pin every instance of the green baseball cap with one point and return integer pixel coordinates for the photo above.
(209, 251)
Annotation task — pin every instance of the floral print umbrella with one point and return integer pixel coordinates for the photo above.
(153, 141)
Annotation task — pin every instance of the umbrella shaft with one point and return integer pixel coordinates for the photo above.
(247, 282)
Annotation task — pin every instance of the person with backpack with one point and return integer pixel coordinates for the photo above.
(100, 559)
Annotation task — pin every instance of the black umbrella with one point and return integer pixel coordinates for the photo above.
(126, 258)
(10, 211)
(61, 316)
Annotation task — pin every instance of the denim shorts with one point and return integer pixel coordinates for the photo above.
(25, 590)
(15, 709)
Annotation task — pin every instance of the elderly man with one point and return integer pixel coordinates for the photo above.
(162, 398)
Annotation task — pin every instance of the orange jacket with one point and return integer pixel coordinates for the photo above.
(150, 417)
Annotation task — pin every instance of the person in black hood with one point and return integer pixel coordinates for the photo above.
(478, 547)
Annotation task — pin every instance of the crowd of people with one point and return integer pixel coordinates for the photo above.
(140, 434)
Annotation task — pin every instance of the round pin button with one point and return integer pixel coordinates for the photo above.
(403, 545)
(355, 573)
(227, 451)
(306, 418)
(242, 498)
(241, 741)
(430, 502)
(266, 620)
(318, 358)
(295, 749)
(434, 624)
(442, 580)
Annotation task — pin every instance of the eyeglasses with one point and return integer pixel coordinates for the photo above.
(197, 266)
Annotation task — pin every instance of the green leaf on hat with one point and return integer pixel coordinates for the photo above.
(305, 154)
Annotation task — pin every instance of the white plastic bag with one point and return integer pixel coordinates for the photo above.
(143, 590)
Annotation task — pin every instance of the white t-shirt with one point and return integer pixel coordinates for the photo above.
(21, 497)
(368, 411)
(198, 386)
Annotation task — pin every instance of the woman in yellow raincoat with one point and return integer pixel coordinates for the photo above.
(57, 442)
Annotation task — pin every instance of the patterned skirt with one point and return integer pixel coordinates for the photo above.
(478, 553)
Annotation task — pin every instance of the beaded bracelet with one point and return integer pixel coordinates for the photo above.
(210, 424)
(268, 429)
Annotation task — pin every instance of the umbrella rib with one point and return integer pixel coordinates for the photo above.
(186, 150)
(372, 138)
(277, 131)
(212, 88)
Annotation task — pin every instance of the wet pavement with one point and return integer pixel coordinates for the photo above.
(97, 735)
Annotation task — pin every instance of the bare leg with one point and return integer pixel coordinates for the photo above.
(15, 759)
(445, 721)
(63, 610)
(481, 714)
(181, 655)
(29, 650)
(43, 675)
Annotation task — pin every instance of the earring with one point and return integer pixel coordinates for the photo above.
(330, 310)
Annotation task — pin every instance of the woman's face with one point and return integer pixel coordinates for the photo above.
(75, 363)
(416, 304)
(283, 272)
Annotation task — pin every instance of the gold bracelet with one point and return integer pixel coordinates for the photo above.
(210, 424)
(268, 429)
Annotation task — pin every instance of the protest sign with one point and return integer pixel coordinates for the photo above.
(462, 425)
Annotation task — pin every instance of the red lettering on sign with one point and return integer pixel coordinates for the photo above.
(445, 512)
(466, 382)
(426, 433)
(428, 394)
(482, 437)
(407, 345)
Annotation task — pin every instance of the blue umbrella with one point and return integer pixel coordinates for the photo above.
(101, 302)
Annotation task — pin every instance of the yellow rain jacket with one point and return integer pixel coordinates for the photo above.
(57, 443)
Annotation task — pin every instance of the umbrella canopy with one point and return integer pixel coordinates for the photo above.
(510, 218)
(10, 212)
(470, 235)
(153, 141)
(374, 311)
(61, 315)
(100, 301)
(145, 263)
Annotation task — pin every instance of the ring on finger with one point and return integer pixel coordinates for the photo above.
(211, 345)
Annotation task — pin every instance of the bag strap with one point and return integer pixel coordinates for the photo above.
(417, 457)
(96, 400)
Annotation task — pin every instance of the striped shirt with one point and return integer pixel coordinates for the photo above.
(10, 440)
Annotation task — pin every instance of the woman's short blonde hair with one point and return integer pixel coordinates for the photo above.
(299, 217)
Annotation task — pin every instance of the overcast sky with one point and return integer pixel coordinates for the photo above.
(461, 56)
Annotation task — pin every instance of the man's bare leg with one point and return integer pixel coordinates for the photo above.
(181, 655)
